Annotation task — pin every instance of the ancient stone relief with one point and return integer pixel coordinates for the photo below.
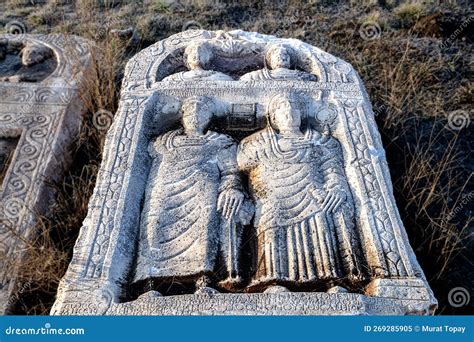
(244, 174)
(40, 117)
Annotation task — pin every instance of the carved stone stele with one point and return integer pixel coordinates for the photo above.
(40, 116)
(243, 174)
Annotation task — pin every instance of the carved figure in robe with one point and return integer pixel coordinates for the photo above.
(198, 56)
(304, 209)
(194, 203)
(279, 60)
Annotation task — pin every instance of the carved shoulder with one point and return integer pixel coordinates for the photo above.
(305, 76)
(222, 140)
(254, 75)
(219, 76)
(255, 140)
(331, 144)
(174, 77)
(249, 150)
(162, 142)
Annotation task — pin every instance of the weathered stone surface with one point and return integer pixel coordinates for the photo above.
(288, 303)
(25, 61)
(273, 196)
(40, 115)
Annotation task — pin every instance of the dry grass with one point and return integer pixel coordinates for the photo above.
(16, 3)
(413, 81)
(410, 12)
(430, 182)
(48, 15)
(49, 252)
(101, 89)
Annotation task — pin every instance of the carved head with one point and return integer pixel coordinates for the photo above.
(197, 113)
(279, 56)
(33, 54)
(198, 55)
(284, 114)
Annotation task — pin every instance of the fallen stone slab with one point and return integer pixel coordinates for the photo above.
(40, 116)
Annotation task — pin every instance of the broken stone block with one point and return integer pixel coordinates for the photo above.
(243, 174)
(40, 116)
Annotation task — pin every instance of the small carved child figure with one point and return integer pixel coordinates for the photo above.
(194, 202)
(198, 56)
(279, 59)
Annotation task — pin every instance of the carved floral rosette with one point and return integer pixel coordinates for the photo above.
(105, 250)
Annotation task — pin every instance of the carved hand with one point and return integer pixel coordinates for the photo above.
(333, 200)
(229, 203)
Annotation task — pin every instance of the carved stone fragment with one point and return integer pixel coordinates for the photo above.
(40, 115)
(244, 174)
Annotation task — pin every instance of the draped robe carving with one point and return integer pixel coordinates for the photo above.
(297, 240)
(181, 226)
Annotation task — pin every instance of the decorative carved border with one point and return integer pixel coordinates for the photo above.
(108, 230)
(46, 116)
